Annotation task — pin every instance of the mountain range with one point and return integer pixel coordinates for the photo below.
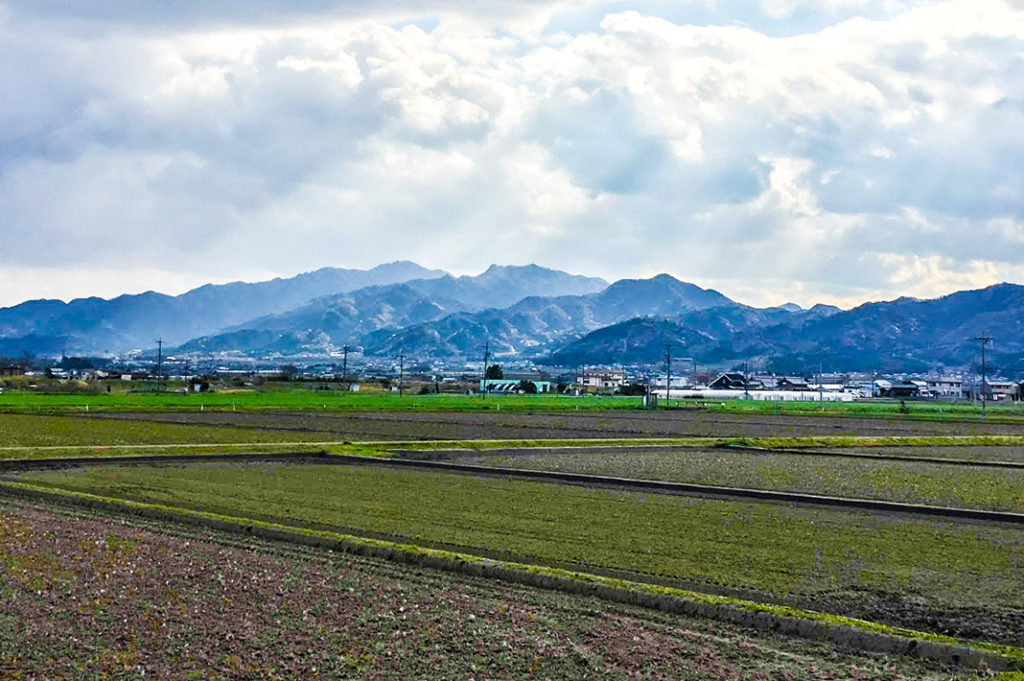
(95, 325)
(531, 313)
(330, 322)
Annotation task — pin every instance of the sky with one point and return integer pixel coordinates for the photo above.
(834, 151)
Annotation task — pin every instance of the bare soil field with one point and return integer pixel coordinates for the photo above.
(991, 453)
(960, 578)
(393, 425)
(90, 597)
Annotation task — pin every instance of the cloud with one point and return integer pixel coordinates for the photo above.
(821, 150)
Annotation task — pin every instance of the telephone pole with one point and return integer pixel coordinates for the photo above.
(668, 371)
(401, 372)
(487, 357)
(344, 365)
(984, 340)
(820, 392)
(159, 362)
(746, 383)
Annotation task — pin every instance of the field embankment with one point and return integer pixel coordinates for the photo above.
(964, 578)
(90, 597)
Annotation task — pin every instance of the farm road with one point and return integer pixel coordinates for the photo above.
(394, 425)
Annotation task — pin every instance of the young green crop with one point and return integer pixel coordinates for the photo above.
(754, 548)
(205, 598)
(904, 481)
(48, 430)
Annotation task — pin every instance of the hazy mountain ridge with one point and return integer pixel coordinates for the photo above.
(540, 314)
(137, 320)
(333, 321)
(635, 341)
(915, 334)
(901, 335)
(535, 323)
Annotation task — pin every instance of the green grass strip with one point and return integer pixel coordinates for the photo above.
(796, 442)
(431, 445)
(384, 448)
(844, 441)
(302, 397)
(308, 400)
(101, 451)
(1012, 654)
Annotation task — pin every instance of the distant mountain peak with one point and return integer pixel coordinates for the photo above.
(534, 270)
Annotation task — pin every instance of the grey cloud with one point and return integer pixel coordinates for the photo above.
(802, 17)
(160, 17)
(101, 158)
(600, 143)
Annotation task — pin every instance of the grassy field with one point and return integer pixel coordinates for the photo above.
(966, 578)
(88, 597)
(910, 482)
(306, 399)
(301, 397)
(39, 430)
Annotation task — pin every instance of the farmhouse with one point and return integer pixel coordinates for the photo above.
(945, 388)
(731, 381)
(510, 385)
(907, 388)
(792, 383)
(1004, 390)
(601, 379)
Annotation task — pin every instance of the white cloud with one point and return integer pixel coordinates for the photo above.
(841, 149)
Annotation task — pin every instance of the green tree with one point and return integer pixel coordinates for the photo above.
(633, 389)
(494, 372)
(528, 387)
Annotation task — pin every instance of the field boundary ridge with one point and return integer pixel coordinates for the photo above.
(846, 631)
(14, 465)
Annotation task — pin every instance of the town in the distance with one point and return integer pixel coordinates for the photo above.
(403, 328)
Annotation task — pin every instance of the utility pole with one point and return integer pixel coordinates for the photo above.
(746, 383)
(487, 357)
(401, 372)
(159, 362)
(344, 365)
(820, 391)
(984, 340)
(668, 371)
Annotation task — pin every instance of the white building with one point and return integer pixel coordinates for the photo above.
(602, 379)
(945, 388)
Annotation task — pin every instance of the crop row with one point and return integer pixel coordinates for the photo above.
(39, 430)
(92, 597)
(903, 481)
(852, 562)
